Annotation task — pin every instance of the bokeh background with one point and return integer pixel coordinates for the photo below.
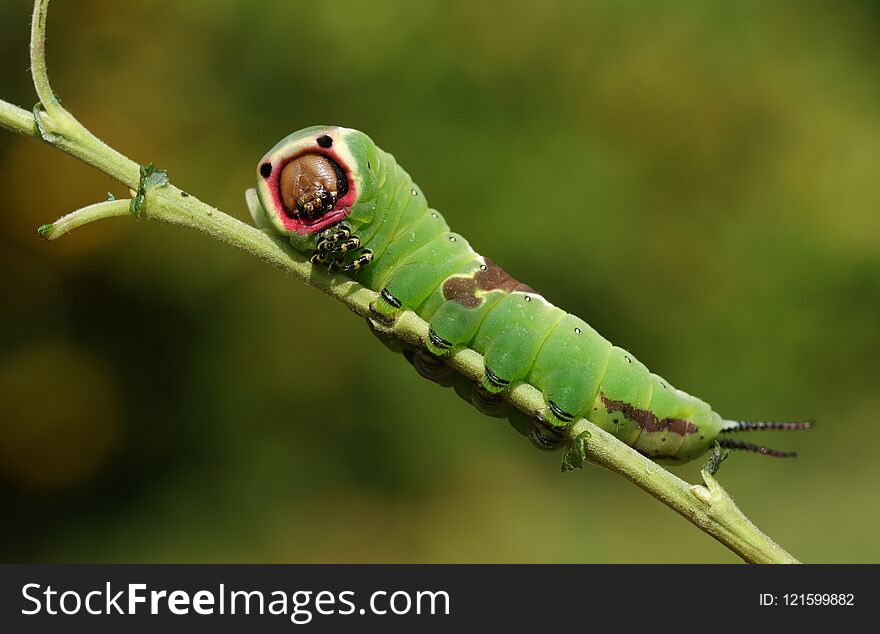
(698, 181)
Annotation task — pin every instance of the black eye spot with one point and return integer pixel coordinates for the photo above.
(325, 141)
(265, 170)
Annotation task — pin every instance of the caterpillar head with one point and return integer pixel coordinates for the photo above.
(316, 178)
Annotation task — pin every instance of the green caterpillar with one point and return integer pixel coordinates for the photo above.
(337, 196)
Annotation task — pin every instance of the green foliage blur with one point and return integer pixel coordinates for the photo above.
(697, 180)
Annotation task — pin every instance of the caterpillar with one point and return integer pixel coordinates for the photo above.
(336, 196)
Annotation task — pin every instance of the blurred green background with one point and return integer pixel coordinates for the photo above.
(166, 398)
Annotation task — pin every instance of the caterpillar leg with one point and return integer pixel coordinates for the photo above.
(472, 394)
(543, 436)
(410, 283)
(321, 258)
(429, 367)
(333, 235)
(568, 392)
(457, 320)
(385, 307)
(350, 244)
(333, 255)
(512, 336)
(508, 358)
(337, 266)
(570, 386)
(408, 287)
(488, 403)
(388, 340)
(332, 249)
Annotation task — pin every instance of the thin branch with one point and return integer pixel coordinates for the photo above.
(39, 71)
(80, 217)
(17, 120)
(707, 506)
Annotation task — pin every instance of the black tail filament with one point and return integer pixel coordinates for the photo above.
(762, 425)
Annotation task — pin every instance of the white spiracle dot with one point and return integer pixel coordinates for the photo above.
(433, 215)
(452, 238)
(414, 192)
(627, 359)
(528, 299)
(577, 331)
(482, 267)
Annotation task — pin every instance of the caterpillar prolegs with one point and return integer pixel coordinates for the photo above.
(339, 198)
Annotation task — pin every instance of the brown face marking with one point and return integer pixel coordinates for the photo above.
(310, 185)
(647, 420)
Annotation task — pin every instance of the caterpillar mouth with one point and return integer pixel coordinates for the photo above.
(310, 187)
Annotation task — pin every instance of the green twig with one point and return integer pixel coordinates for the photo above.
(706, 505)
(39, 71)
(80, 217)
(18, 120)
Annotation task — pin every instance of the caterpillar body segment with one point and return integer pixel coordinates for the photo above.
(348, 204)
